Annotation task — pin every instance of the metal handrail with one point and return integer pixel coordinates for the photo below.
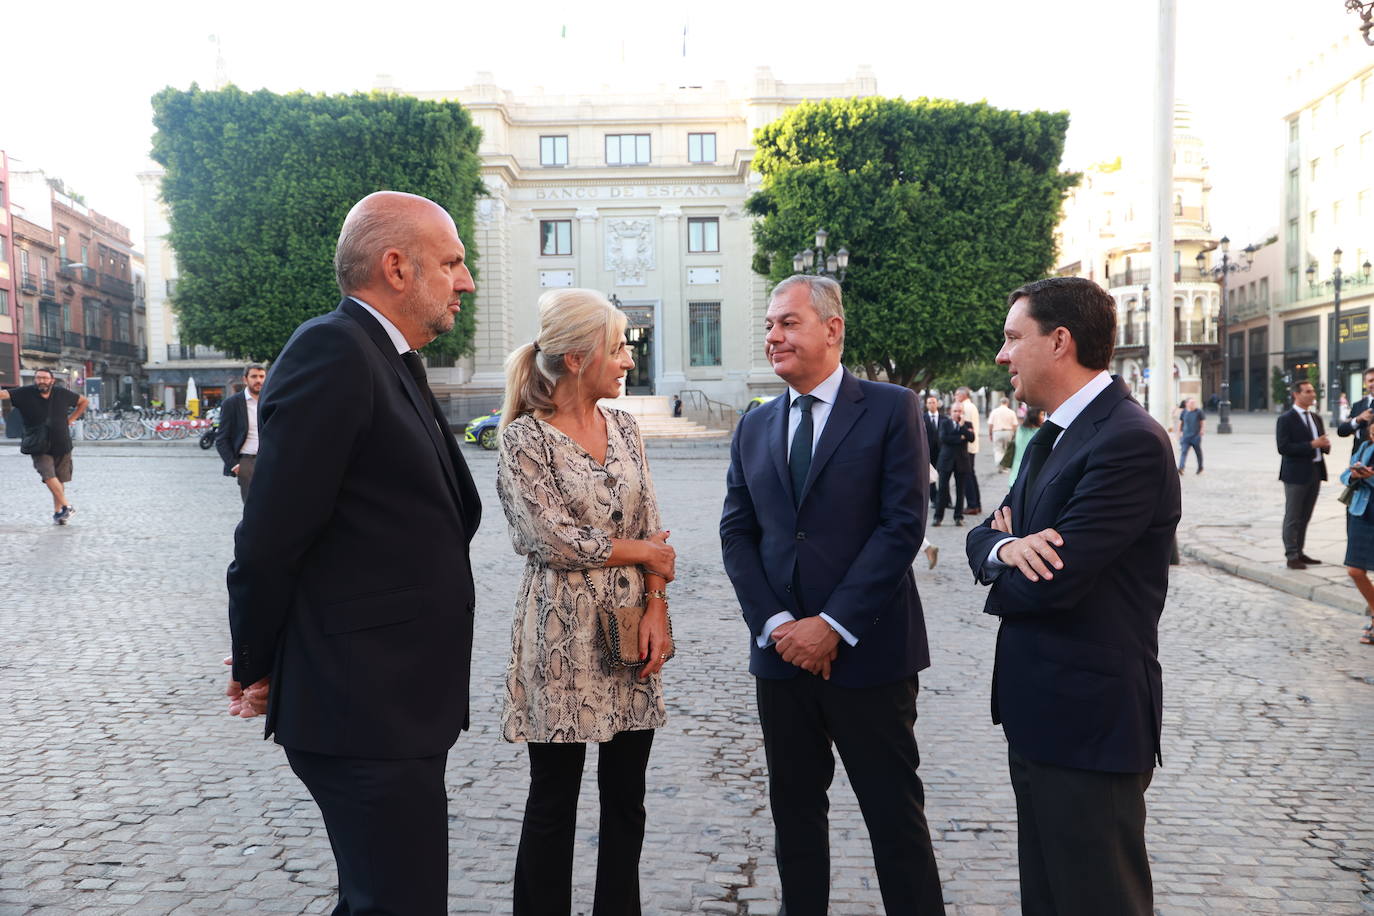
(715, 413)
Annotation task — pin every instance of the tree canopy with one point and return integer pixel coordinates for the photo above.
(257, 186)
(945, 208)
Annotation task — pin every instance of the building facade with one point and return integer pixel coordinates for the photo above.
(1328, 204)
(170, 363)
(1105, 235)
(640, 196)
(10, 333)
(76, 292)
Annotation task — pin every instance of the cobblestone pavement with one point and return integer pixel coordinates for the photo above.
(125, 789)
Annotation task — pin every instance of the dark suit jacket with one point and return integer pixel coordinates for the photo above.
(932, 436)
(350, 584)
(954, 442)
(233, 429)
(851, 542)
(1294, 441)
(1350, 427)
(1077, 681)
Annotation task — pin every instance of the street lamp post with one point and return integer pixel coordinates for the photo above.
(816, 261)
(1220, 272)
(1336, 323)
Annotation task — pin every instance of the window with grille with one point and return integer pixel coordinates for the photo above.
(704, 333)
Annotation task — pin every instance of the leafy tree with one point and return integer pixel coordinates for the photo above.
(258, 184)
(1278, 386)
(975, 375)
(945, 207)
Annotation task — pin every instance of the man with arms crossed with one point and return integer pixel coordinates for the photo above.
(1078, 559)
(824, 511)
(43, 402)
(236, 440)
(350, 594)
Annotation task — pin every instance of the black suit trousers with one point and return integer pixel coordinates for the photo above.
(388, 826)
(544, 862)
(1299, 499)
(874, 730)
(1081, 840)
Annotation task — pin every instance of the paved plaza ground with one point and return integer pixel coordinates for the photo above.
(124, 788)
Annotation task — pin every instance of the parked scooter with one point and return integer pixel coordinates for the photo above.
(207, 438)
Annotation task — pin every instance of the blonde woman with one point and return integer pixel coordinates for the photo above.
(577, 495)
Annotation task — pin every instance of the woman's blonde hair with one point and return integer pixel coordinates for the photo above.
(572, 322)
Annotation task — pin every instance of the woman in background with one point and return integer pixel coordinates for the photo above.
(1024, 433)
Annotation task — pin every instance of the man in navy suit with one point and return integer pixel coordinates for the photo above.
(236, 440)
(1302, 441)
(351, 594)
(824, 512)
(1078, 559)
(1361, 414)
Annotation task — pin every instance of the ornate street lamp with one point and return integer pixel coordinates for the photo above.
(1366, 11)
(1219, 273)
(816, 261)
(1337, 281)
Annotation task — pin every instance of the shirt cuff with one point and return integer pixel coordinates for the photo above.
(772, 624)
(844, 634)
(994, 564)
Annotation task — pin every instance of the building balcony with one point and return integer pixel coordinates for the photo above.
(49, 289)
(1141, 276)
(28, 283)
(186, 351)
(72, 338)
(121, 348)
(115, 286)
(42, 343)
(93, 342)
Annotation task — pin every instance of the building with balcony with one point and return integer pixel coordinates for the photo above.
(83, 323)
(170, 363)
(1328, 204)
(637, 194)
(1105, 235)
(10, 332)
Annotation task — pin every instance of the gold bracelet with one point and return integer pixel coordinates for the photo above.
(660, 593)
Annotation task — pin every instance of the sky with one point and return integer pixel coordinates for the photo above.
(80, 84)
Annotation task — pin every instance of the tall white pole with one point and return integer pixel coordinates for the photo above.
(1162, 247)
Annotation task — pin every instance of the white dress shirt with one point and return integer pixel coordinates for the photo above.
(825, 394)
(1311, 428)
(250, 442)
(1063, 417)
(398, 339)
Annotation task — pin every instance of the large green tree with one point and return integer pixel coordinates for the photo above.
(945, 207)
(258, 184)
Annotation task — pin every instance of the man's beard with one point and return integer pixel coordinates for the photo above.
(431, 315)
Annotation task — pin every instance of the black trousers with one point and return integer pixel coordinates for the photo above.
(544, 863)
(388, 826)
(1081, 840)
(975, 497)
(874, 730)
(961, 479)
(1299, 499)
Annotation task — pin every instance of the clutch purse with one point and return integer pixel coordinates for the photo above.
(1348, 494)
(617, 632)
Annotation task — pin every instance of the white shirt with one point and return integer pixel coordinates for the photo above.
(825, 394)
(1311, 428)
(250, 442)
(398, 339)
(1063, 417)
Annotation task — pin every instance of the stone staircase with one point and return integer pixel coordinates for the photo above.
(656, 420)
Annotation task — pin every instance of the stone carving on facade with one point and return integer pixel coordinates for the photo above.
(489, 211)
(630, 250)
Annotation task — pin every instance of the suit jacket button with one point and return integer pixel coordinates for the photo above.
(789, 589)
(801, 535)
(624, 583)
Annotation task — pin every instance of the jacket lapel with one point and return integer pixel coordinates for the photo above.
(777, 434)
(843, 414)
(1082, 429)
(426, 412)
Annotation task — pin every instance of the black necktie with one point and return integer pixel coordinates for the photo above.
(1039, 448)
(417, 371)
(799, 460)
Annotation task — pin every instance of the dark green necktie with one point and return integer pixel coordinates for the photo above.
(1041, 444)
(799, 460)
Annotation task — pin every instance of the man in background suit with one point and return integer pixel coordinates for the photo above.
(824, 512)
(236, 440)
(351, 595)
(1303, 443)
(1078, 559)
(932, 423)
(1361, 414)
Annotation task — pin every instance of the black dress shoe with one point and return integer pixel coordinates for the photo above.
(1309, 561)
(936, 524)
(1295, 563)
